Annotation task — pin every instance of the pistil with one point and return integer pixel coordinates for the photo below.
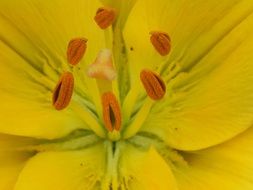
(102, 70)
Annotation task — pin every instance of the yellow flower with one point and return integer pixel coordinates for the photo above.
(162, 94)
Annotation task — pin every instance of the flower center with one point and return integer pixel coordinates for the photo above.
(102, 70)
(113, 112)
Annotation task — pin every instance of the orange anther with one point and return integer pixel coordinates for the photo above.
(63, 91)
(111, 112)
(161, 42)
(153, 84)
(105, 16)
(76, 50)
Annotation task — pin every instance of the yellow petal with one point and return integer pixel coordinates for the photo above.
(195, 27)
(34, 40)
(26, 107)
(213, 102)
(41, 31)
(10, 142)
(228, 166)
(140, 54)
(11, 163)
(145, 170)
(80, 169)
(139, 51)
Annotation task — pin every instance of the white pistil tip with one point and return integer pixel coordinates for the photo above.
(102, 68)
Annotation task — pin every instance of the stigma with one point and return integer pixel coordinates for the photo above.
(102, 68)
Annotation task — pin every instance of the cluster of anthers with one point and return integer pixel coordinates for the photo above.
(103, 69)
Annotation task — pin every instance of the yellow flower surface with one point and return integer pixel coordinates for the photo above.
(126, 95)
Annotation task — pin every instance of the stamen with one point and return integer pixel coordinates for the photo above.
(153, 84)
(105, 16)
(161, 42)
(102, 68)
(63, 91)
(76, 50)
(111, 112)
